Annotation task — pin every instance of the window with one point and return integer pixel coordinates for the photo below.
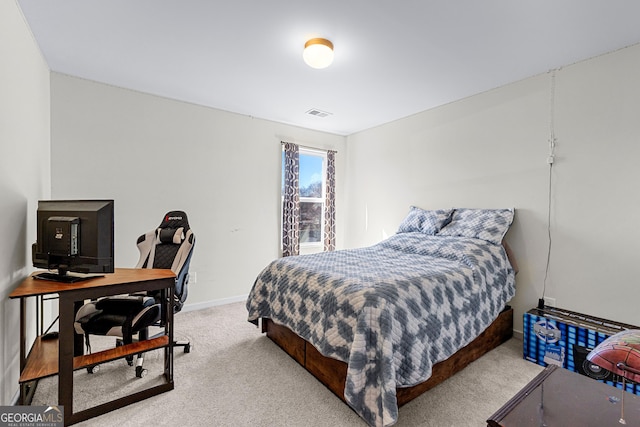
(311, 197)
(311, 184)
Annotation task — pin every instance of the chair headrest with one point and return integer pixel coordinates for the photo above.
(175, 220)
(171, 235)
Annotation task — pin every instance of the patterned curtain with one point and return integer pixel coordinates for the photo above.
(291, 205)
(330, 204)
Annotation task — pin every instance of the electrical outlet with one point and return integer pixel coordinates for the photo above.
(193, 278)
(549, 302)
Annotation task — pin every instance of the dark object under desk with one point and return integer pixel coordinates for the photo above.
(560, 398)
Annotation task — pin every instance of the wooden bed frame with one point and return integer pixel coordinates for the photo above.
(332, 373)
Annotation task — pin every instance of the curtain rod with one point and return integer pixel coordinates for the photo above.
(307, 147)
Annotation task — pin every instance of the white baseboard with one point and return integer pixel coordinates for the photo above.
(213, 303)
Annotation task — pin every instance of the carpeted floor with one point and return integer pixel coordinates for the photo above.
(235, 376)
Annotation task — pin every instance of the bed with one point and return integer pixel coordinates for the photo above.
(382, 324)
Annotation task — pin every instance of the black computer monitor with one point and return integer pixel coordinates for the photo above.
(74, 236)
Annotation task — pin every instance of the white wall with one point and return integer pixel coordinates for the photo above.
(24, 173)
(153, 154)
(597, 193)
(490, 150)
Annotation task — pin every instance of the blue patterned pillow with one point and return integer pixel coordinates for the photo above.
(420, 220)
(486, 224)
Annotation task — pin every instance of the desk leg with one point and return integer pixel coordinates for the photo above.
(65, 356)
(168, 329)
(23, 338)
(23, 332)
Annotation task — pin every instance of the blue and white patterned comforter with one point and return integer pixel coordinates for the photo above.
(390, 311)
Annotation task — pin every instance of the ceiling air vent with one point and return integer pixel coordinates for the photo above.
(318, 113)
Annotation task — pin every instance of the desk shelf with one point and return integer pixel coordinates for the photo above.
(43, 359)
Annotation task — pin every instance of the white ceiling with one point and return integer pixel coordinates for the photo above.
(393, 58)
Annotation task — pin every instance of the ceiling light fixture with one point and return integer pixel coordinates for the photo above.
(318, 53)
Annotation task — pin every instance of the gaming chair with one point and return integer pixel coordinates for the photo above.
(169, 246)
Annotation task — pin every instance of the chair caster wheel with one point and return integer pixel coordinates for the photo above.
(140, 371)
(187, 348)
(93, 369)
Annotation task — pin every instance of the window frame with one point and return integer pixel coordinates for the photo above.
(322, 199)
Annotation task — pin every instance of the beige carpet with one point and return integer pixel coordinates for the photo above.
(234, 376)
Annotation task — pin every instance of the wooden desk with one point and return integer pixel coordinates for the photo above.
(61, 356)
(560, 398)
